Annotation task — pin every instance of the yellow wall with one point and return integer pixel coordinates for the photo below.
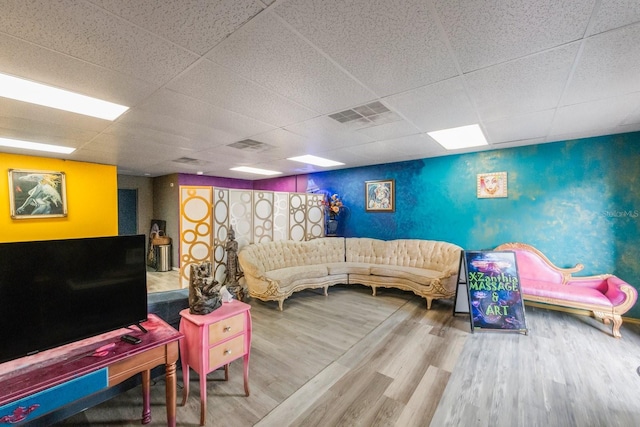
(92, 201)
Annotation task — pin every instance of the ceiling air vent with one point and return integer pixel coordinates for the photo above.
(372, 114)
(190, 161)
(250, 145)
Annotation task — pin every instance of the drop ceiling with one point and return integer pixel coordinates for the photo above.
(201, 76)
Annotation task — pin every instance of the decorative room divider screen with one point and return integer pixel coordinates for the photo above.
(207, 213)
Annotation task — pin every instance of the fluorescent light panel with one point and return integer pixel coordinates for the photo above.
(314, 160)
(27, 145)
(255, 170)
(37, 93)
(460, 137)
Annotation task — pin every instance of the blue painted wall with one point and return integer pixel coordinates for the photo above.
(576, 201)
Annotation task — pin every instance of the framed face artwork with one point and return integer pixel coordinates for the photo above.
(37, 194)
(380, 196)
(491, 185)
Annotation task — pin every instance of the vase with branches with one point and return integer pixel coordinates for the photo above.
(333, 205)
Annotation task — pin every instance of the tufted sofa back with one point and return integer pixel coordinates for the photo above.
(289, 253)
(429, 254)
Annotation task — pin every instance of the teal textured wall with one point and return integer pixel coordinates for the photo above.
(576, 201)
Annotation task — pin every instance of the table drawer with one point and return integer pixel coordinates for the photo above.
(226, 352)
(226, 328)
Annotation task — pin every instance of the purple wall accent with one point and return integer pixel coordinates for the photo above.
(291, 184)
(214, 181)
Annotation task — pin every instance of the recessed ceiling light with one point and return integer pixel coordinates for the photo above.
(27, 145)
(460, 137)
(37, 93)
(313, 160)
(255, 170)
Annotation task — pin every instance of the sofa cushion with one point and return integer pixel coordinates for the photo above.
(427, 254)
(349, 268)
(270, 256)
(286, 276)
(532, 267)
(577, 294)
(421, 276)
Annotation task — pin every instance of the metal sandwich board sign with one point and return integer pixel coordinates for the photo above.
(493, 291)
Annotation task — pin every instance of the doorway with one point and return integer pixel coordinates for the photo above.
(127, 212)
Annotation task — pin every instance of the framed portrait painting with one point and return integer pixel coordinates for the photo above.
(380, 196)
(37, 194)
(491, 185)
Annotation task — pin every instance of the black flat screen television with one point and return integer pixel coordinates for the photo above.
(58, 291)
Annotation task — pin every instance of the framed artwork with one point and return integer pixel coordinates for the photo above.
(37, 194)
(380, 196)
(492, 185)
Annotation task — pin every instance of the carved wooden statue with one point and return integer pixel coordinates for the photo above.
(233, 269)
(204, 290)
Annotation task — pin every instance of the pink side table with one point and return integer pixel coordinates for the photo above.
(214, 340)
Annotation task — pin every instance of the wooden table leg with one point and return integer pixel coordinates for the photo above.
(246, 374)
(170, 377)
(203, 396)
(185, 381)
(184, 356)
(146, 402)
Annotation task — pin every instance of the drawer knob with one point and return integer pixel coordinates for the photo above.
(227, 352)
(227, 328)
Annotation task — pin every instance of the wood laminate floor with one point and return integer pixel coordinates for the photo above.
(351, 359)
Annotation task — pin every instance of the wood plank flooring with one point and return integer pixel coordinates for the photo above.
(351, 359)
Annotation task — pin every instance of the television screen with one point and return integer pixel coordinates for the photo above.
(58, 291)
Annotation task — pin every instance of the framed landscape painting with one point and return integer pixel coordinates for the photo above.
(37, 194)
(380, 196)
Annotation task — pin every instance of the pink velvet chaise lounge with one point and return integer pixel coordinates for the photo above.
(606, 296)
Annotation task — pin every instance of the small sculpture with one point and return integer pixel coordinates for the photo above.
(233, 269)
(204, 290)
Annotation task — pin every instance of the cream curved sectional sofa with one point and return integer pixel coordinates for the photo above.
(275, 270)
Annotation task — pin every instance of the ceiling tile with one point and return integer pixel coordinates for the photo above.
(285, 143)
(240, 156)
(606, 113)
(268, 52)
(328, 133)
(149, 151)
(195, 25)
(176, 105)
(349, 157)
(613, 14)
(15, 110)
(516, 128)
(390, 46)
(132, 133)
(390, 130)
(222, 87)
(633, 117)
(416, 145)
(399, 149)
(519, 143)
(83, 30)
(525, 85)
(198, 136)
(26, 60)
(609, 66)
(438, 106)
(587, 134)
(43, 132)
(486, 32)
